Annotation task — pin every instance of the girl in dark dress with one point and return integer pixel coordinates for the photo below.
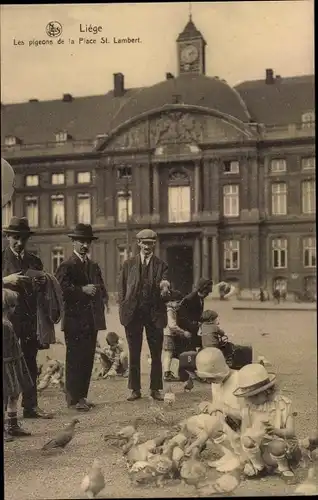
(16, 376)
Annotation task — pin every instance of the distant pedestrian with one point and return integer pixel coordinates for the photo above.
(276, 295)
(142, 282)
(85, 298)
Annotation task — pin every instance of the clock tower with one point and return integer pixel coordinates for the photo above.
(191, 50)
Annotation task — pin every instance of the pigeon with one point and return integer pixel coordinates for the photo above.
(94, 482)
(63, 437)
(44, 382)
(188, 386)
(169, 397)
(264, 334)
(263, 361)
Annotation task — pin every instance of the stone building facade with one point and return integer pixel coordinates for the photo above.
(225, 176)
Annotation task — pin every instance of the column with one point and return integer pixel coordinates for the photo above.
(157, 248)
(156, 191)
(197, 187)
(196, 261)
(205, 256)
(215, 259)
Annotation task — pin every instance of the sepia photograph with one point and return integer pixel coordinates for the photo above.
(159, 297)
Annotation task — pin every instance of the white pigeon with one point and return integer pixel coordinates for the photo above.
(94, 482)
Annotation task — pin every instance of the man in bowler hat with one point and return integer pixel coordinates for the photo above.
(16, 261)
(85, 298)
(142, 283)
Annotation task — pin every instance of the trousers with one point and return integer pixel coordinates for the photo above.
(80, 353)
(134, 335)
(30, 351)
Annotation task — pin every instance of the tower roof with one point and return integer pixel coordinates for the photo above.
(190, 31)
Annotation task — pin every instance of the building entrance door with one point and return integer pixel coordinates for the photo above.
(180, 262)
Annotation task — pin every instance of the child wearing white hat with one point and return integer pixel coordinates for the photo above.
(211, 365)
(268, 428)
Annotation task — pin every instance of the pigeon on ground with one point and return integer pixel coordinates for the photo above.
(63, 437)
(169, 397)
(94, 482)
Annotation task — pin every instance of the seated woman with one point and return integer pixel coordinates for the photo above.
(211, 365)
(268, 427)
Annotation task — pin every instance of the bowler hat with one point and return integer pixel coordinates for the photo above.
(146, 235)
(82, 232)
(18, 225)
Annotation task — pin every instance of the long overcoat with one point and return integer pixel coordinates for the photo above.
(129, 289)
(81, 311)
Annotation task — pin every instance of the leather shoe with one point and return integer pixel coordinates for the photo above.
(36, 413)
(17, 431)
(89, 403)
(82, 406)
(134, 396)
(156, 395)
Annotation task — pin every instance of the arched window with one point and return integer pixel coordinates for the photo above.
(179, 196)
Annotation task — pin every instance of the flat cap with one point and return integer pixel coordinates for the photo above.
(146, 234)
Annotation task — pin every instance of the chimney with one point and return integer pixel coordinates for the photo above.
(67, 98)
(33, 100)
(169, 76)
(119, 86)
(269, 77)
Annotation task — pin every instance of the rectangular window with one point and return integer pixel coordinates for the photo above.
(179, 203)
(31, 180)
(279, 198)
(278, 165)
(231, 254)
(308, 120)
(124, 206)
(58, 179)
(279, 253)
(231, 167)
(84, 208)
(7, 213)
(308, 163)
(231, 200)
(57, 210)
(32, 210)
(124, 173)
(57, 258)
(61, 137)
(309, 252)
(10, 140)
(308, 196)
(83, 177)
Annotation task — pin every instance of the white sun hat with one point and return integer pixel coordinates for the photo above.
(253, 379)
(210, 363)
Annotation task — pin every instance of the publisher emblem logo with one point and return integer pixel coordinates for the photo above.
(54, 29)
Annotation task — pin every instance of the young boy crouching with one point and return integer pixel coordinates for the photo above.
(113, 358)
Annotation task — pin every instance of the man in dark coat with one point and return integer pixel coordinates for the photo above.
(142, 283)
(85, 298)
(16, 261)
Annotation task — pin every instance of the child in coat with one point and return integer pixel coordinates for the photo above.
(176, 340)
(268, 427)
(16, 377)
(213, 336)
(113, 358)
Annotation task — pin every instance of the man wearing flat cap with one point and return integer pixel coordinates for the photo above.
(143, 282)
(85, 298)
(16, 263)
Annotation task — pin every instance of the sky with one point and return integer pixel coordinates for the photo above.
(243, 39)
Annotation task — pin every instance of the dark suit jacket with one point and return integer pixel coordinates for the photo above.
(24, 318)
(189, 315)
(81, 311)
(129, 289)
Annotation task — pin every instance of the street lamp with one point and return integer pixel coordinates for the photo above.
(126, 196)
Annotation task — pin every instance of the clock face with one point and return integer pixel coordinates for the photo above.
(189, 54)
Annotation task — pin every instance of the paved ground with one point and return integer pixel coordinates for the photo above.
(289, 343)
